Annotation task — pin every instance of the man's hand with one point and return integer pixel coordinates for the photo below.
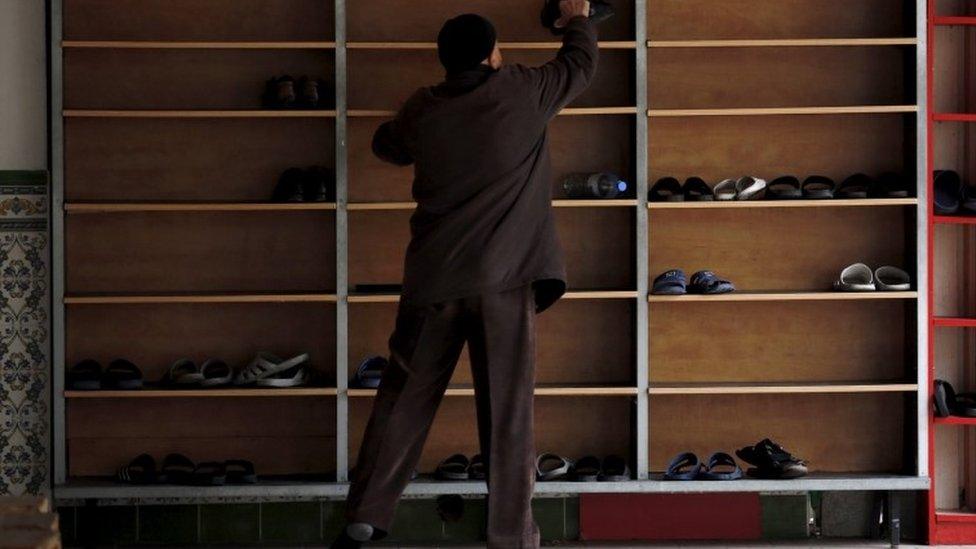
(571, 9)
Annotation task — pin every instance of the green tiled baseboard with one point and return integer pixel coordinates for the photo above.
(786, 516)
(418, 521)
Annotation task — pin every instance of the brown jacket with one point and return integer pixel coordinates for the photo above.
(478, 142)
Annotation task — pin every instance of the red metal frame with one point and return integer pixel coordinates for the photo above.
(944, 527)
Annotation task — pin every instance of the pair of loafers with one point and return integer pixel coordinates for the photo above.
(860, 278)
(313, 184)
(674, 282)
(687, 466)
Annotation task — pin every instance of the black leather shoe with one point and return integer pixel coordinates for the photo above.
(600, 11)
(318, 185)
(279, 93)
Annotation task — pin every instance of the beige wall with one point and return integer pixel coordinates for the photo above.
(23, 85)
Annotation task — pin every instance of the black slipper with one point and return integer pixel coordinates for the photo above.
(123, 375)
(240, 471)
(210, 473)
(453, 468)
(176, 469)
(141, 470)
(949, 403)
(855, 186)
(477, 469)
(614, 469)
(586, 469)
(318, 185)
(948, 192)
(890, 185)
(667, 189)
(786, 187)
(696, 190)
(771, 461)
(290, 187)
(85, 376)
(818, 187)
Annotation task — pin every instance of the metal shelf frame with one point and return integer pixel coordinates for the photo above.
(915, 479)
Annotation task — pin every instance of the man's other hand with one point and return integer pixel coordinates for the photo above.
(571, 9)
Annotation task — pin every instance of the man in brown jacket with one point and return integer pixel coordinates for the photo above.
(483, 259)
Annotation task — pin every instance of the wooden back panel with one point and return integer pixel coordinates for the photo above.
(281, 436)
(185, 79)
(955, 7)
(605, 428)
(954, 76)
(777, 341)
(153, 336)
(172, 159)
(221, 252)
(834, 433)
(744, 245)
(598, 244)
(579, 342)
(199, 20)
(689, 78)
(514, 20)
(769, 146)
(384, 79)
(576, 144)
(757, 19)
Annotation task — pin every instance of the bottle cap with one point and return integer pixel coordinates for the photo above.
(621, 186)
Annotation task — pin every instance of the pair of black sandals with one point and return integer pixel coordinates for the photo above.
(179, 469)
(313, 184)
(88, 375)
(718, 466)
(949, 403)
(674, 282)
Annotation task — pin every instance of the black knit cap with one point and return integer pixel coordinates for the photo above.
(465, 41)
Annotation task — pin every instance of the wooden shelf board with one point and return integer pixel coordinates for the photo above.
(782, 296)
(557, 203)
(107, 489)
(606, 45)
(954, 220)
(230, 113)
(779, 388)
(834, 203)
(789, 42)
(196, 45)
(110, 207)
(539, 391)
(204, 393)
(954, 420)
(954, 117)
(198, 298)
(780, 111)
(573, 294)
(570, 111)
(954, 322)
(954, 20)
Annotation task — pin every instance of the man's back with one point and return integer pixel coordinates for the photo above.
(482, 177)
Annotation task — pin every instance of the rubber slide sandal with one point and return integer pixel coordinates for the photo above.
(818, 187)
(892, 279)
(948, 192)
(684, 466)
(176, 469)
(855, 278)
(672, 282)
(725, 190)
(123, 375)
(855, 186)
(453, 468)
(666, 189)
(215, 373)
(786, 187)
(749, 188)
(85, 376)
(369, 373)
(696, 190)
(614, 469)
(477, 469)
(586, 469)
(721, 466)
(550, 466)
(141, 470)
(708, 283)
(182, 373)
(890, 185)
(240, 471)
(210, 473)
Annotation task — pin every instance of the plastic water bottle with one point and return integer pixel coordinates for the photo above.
(594, 185)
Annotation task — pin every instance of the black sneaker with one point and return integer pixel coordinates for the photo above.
(771, 461)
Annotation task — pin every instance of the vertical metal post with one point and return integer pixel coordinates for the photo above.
(641, 141)
(922, 239)
(342, 248)
(56, 300)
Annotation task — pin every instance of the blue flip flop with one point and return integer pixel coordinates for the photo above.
(672, 282)
(369, 373)
(684, 466)
(706, 282)
(721, 466)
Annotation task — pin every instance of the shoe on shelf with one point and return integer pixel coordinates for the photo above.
(279, 93)
(290, 187)
(318, 184)
(369, 373)
(948, 192)
(771, 461)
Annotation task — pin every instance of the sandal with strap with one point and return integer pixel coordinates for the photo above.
(85, 376)
(369, 373)
(453, 468)
(786, 187)
(265, 365)
(721, 466)
(708, 283)
(141, 470)
(477, 469)
(672, 282)
(696, 190)
(240, 471)
(856, 186)
(771, 461)
(684, 466)
(176, 469)
(550, 466)
(818, 187)
(666, 189)
(182, 373)
(586, 469)
(215, 373)
(122, 375)
(614, 469)
(210, 473)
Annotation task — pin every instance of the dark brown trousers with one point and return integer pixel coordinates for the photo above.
(424, 349)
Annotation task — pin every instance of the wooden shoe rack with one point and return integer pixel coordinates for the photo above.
(165, 246)
(952, 306)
